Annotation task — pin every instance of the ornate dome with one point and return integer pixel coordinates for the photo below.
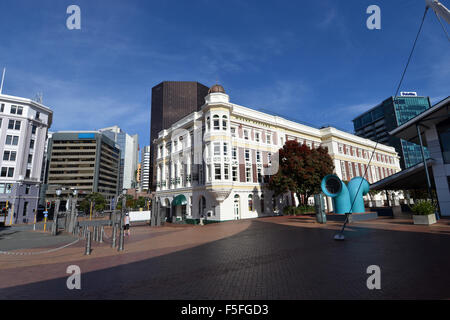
(217, 88)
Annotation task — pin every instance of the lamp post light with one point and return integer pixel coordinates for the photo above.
(55, 214)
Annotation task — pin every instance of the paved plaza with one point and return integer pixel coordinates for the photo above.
(267, 258)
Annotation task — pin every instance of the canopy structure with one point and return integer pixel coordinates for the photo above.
(411, 178)
(179, 200)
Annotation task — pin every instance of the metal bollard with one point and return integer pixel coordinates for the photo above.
(121, 240)
(88, 243)
(95, 233)
(55, 226)
(102, 230)
(113, 244)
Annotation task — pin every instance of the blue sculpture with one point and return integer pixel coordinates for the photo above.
(343, 195)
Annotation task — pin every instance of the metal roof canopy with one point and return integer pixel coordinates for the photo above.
(411, 178)
(179, 200)
(426, 119)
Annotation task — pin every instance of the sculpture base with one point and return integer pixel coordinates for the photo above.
(355, 217)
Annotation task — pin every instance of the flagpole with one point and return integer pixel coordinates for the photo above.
(3, 79)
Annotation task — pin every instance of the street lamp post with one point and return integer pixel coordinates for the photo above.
(55, 214)
(73, 211)
(122, 214)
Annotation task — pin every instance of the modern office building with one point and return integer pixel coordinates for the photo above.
(376, 123)
(88, 161)
(213, 161)
(129, 155)
(145, 168)
(23, 131)
(432, 129)
(171, 101)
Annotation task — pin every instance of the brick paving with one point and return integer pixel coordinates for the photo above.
(16, 238)
(269, 258)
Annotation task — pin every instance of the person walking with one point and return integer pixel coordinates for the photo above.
(127, 224)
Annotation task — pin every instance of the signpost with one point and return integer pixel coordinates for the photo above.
(45, 220)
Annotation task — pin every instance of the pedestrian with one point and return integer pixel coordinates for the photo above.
(127, 224)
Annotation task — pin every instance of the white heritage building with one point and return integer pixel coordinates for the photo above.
(213, 162)
(23, 132)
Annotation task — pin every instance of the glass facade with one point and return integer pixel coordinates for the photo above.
(443, 130)
(412, 154)
(407, 108)
(369, 117)
(391, 113)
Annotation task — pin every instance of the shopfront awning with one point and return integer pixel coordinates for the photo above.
(179, 200)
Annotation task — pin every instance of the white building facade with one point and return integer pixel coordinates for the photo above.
(145, 168)
(213, 162)
(23, 132)
(129, 155)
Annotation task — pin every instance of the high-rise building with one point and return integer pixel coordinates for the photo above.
(375, 124)
(23, 131)
(171, 101)
(84, 160)
(129, 155)
(145, 168)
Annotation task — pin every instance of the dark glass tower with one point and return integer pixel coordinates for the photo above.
(171, 101)
(391, 113)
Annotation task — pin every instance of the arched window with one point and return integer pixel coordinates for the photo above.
(208, 123)
(262, 203)
(216, 122)
(250, 202)
(224, 123)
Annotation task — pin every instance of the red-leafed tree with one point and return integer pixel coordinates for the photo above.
(301, 170)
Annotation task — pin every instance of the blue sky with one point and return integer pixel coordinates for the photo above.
(314, 61)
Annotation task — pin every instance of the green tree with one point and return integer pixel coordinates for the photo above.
(141, 202)
(98, 201)
(130, 202)
(301, 170)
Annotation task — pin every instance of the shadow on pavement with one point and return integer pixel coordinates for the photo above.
(271, 261)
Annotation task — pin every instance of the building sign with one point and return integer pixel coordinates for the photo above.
(86, 136)
(408, 94)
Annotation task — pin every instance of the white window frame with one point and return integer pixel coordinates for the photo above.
(216, 148)
(217, 166)
(235, 173)
(248, 174)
